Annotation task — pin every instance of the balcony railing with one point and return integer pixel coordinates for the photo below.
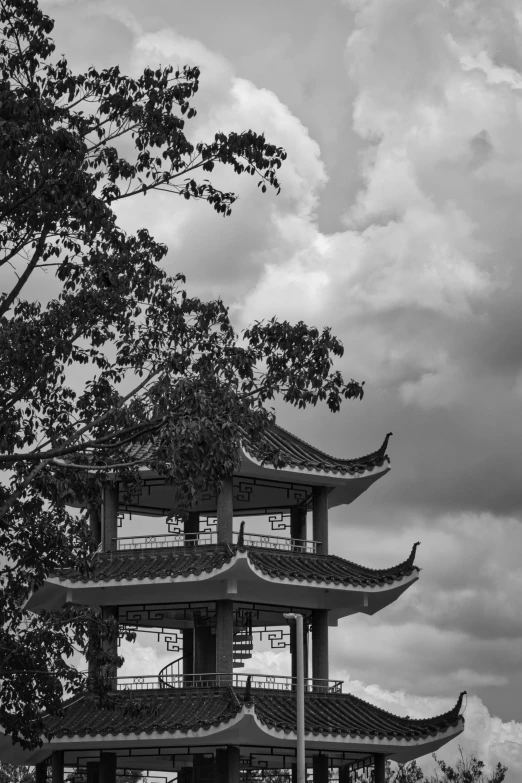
(165, 540)
(216, 680)
(259, 540)
(278, 542)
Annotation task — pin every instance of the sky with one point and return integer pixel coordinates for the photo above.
(399, 225)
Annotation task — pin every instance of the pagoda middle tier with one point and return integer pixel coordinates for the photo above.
(228, 572)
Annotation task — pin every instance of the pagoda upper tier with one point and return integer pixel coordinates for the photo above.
(225, 571)
(280, 471)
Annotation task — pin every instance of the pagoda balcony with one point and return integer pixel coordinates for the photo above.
(258, 540)
(165, 681)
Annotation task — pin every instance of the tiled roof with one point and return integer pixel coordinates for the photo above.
(297, 453)
(330, 569)
(279, 447)
(164, 711)
(300, 566)
(192, 709)
(342, 713)
(153, 563)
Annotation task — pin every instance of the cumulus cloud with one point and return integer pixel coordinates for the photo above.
(485, 735)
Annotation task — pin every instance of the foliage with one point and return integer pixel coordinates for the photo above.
(9, 773)
(404, 773)
(165, 370)
(468, 769)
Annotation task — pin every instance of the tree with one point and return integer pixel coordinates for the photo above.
(468, 769)
(404, 773)
(164, 368)
(12, 774)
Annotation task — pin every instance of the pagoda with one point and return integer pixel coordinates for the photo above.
(212, 588)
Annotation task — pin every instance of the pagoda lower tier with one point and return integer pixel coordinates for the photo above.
(227, 572)
(175, 729)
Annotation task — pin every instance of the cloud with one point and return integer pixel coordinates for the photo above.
(485, 735)
(224, 257)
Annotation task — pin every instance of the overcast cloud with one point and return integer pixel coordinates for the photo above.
(399, 225)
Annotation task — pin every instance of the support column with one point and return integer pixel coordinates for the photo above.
(40, 772)
(225, 512)
(107, 767)
(227, 763)
(185, 775)
(320, 518)
(57, 764)
(379, 761)
(320, 769)
(298, 523)
(204, 649)
(188, 651)
(109, 522)
(191, 526)
(320, 647)
(93, 772)
(95, 523)
(203, 768)
(111, 645)
(224, 640)
(344, 774)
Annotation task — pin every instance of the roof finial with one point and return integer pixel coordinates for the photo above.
(458, 706)
(410, 561)
(382, 450)
(247, 697)
(241, 535)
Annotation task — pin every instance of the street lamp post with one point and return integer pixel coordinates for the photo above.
(301, 773)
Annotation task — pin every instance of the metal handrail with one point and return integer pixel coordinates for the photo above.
(166, 673)
(265, 540)
(239, 680)
(165, 539)
(260, 540)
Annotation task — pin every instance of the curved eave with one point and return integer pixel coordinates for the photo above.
(238, 577)
(244, 729)
(345, 486)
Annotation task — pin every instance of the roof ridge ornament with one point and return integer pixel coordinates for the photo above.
(247, 696)
(241, 535)
(384, 447)
(458, 706)
(410, 561)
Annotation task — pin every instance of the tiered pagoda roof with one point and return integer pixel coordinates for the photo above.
(279, 457)
(196, 561)
(293, 452)
(190, 715)
(280, 449)
(311, 580)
